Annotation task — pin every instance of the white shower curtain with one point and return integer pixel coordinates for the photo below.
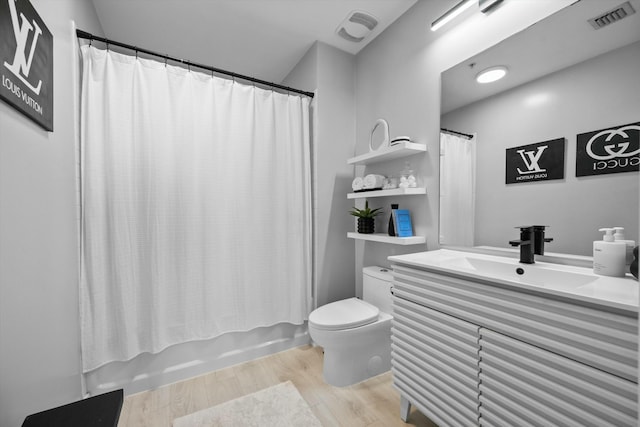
(457, 189)
(196, 207)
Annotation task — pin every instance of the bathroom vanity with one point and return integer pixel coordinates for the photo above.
(485, 340)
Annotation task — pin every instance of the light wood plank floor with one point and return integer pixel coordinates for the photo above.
(370, 403)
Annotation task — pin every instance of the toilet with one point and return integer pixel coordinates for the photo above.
(356, 333)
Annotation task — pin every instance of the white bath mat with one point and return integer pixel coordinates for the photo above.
(280, 405)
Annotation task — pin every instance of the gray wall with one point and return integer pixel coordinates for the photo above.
(589, 96)
(332, 73)
(398, 79)
(39, 324)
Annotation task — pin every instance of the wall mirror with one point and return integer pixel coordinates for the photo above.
(565, 78)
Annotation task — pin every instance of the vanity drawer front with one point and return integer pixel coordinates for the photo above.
(599, 338)
(521, 384)
(435, 363)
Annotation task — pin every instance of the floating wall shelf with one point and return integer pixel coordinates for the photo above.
(385, 193)
(397, 151)
(384, 238)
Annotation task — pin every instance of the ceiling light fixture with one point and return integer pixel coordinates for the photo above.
(487, 6)
(491, 74)
(451, 13)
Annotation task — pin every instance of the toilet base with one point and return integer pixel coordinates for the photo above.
(341, 369)
(344, 367)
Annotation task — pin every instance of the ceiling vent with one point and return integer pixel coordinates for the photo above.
(612, 16)
(357, 26)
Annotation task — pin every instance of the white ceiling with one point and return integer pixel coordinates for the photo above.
(559, 41)
(259, 38)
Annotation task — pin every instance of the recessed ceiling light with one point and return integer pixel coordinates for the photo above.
(491, 74)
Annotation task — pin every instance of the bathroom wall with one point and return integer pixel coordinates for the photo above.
(574, 207)
(39, 338)
(332, 73)
(398, 79)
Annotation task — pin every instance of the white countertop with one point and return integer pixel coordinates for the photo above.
(577, 283)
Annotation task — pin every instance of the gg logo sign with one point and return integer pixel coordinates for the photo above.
(607, 151)
(26, 61)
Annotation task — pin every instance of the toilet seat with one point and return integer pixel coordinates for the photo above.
(344, 314)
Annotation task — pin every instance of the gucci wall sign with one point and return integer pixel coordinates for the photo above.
(535, 162)
(611, 150)
(26, 61)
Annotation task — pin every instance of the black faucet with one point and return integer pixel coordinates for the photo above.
(526, 243)
(531, 242)
(539, 240)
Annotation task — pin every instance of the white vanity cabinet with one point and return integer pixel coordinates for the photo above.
(435, 360)
(473, 352)
(524, 385)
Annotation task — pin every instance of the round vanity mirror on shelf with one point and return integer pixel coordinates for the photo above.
(379, 137)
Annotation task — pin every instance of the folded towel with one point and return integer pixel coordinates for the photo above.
(373, 181)
(357, 184)
(390, 183)
(399, 139)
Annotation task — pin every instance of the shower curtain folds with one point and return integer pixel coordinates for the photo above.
(189, 64)
(196, 207)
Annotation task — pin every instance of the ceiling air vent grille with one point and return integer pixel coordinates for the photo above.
(612, 16)
(363, 19)
(356, 26)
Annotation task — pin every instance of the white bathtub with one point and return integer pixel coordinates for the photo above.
(182, 361)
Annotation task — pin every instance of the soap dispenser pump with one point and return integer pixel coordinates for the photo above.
(608, 255)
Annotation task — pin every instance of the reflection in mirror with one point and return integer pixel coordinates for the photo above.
(565, 79)
(457, 188)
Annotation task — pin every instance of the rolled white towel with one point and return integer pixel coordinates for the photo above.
(357, 183)
(373, 181)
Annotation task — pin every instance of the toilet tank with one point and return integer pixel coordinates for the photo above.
(376, 287)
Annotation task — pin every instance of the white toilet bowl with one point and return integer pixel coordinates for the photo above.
(356, 334)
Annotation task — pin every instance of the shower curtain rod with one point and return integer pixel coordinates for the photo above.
(466, 135)
(85, 35)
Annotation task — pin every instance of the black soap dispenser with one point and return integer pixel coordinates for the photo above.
(392, 226)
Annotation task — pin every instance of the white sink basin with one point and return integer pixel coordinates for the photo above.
(578, 282)
(542, 275)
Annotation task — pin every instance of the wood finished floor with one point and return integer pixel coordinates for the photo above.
(370, 403)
